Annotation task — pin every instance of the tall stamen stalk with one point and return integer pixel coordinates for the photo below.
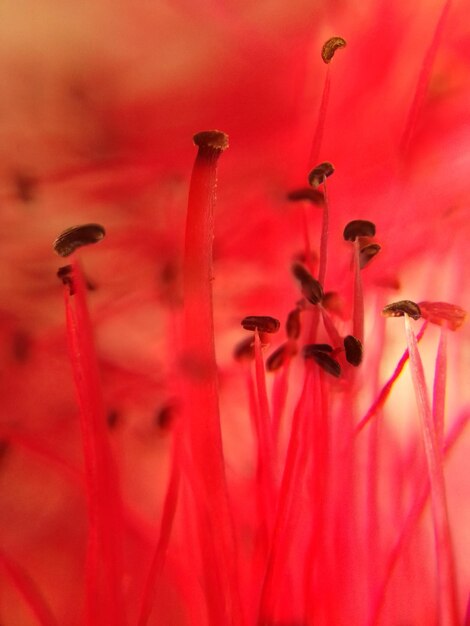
(201, 401)
(104, 598)
(439, 388)
(448, 604)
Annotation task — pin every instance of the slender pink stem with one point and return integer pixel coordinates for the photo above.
(373, 451)
(331, 329)
(423, 79)
(448, 603)
(411, 520)
(291, 487)
(49, 457)
(104, 597)
(439, 389)
(265, 470)
(467, 613)
(387, 388)
(166, 525)
(358, 312)
(307, 243)
(27, 588)
(201, 401)
(324, 238)
(279, 398)
(315, 579)
(320, 126)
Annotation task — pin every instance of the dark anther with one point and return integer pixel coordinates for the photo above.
(333, 302)
(262, 323)
(277, 359)
(112, 418)
(403, 307)
(311, 288)
(4, 445)
(293, 326)
(319, 173)
(64, 273)
(451, 316)
(330, 47)
(164, 416)
(303, 258)
(324, 360)
(21, 346)
(77, 236)
(26, 186)
(244, 350)
(358, 228)
(315, 196)
(90, 285)
(213, 139)
(353, 349)
(312, 348)
(367, 253)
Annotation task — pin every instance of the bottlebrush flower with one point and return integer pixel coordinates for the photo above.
(160, 463)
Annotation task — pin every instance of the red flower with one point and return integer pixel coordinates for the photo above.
(300, 482)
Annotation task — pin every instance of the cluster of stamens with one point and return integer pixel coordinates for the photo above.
(359, 232)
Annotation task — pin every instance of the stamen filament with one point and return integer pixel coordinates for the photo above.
(412, 518)
(439, 389)
(29, 591)
(423, 79)
(279, 398)
(448, 604)
(324, 238)
(201, 399)
(358, 312)
(166, 525)
(291, 485)
(104, 506)
(320, 126)
(265, 470)
(387, 388)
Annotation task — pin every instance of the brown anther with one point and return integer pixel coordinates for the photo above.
(76, 236)
(262, 323)
(244, 350)
(164, 416)
(303, 258)
(367, 253)
(112, 418)
(64, 274)
(451, 316)
(324, 360)
(353, 349)
(213, 139)
(277, 359)
(21, 346)
(315, 196)
(26, 186)
(358, 228)
(90, 285)
(293, 326)
(311, 288)
(319, 173)
(333, 302)
(403, 307)
(330, 47)
(313, 348)
(4, 446)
